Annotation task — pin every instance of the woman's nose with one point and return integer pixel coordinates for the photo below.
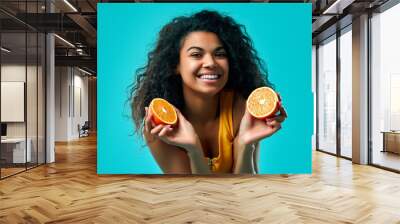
(209, 61)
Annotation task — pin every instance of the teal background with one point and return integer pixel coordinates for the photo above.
(282, 36)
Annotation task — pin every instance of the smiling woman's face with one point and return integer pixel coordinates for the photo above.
(203, 63)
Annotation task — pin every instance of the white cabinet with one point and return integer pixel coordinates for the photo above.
(18, 149)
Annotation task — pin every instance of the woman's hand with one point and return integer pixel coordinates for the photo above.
(252, 130)
(182, 134)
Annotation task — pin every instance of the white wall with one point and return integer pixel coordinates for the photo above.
(62, 81)
(13, 101)
(71, 102)
(9, 73)
(80, 110)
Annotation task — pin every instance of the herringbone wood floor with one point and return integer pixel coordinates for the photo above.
(70, 191)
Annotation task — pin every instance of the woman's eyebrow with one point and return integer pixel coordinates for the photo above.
(219, 48)
(194, 47)
(201, 49)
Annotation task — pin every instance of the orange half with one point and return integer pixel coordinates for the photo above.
(163, 112)
(262, 103)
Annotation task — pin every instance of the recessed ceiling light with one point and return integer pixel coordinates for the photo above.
(70, 5)
(84, 71)
(5, 50)
(64, 40)
(337, 7)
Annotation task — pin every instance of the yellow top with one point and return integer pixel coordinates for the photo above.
(224, 162)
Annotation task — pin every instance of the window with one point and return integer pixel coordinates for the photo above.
(385, 88)
(327, 95)
(346, 92)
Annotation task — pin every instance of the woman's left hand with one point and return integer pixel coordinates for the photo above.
(252, 130)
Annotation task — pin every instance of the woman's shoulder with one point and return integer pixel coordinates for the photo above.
(238, 110)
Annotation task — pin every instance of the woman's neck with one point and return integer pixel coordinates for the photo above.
(200, 109)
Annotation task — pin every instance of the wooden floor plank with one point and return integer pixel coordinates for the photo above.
(70, 191)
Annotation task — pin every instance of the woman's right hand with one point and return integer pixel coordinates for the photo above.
(181, 135)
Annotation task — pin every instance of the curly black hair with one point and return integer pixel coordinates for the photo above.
(158, 77)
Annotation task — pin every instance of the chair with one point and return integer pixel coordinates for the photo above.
(84, 130)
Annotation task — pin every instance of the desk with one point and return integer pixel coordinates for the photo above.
(391, 141)
(16, 148)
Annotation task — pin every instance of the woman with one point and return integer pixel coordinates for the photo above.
(206, 66)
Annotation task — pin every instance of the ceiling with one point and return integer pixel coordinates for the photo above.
(72, 20)
(332, 15)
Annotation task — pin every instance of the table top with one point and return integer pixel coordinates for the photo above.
(391, 132)
(13, 140)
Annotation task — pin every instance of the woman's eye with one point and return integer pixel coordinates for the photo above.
(196, 55)
(220, 54)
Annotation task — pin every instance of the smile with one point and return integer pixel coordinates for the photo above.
(209, 76)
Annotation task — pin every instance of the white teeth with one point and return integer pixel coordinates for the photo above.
(210, 77)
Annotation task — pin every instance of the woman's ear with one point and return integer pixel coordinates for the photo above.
(177, 70)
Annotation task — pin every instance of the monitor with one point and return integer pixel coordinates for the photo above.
(3, 129)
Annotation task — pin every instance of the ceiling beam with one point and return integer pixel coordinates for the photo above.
(86, 26)
(83, 61)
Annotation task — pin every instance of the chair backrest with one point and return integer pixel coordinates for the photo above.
(86, 125)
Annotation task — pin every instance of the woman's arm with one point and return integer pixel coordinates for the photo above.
(175, 160)
(243, 158)
(256, 157)
(171, 159)
(197, 161)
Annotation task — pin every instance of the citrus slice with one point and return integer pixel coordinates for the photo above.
(262, 103)
(163, 112)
